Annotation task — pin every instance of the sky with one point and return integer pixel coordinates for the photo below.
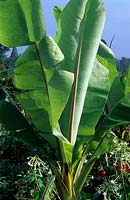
(117, 23)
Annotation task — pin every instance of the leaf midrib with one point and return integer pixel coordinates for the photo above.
(77, 75)
(43, 74)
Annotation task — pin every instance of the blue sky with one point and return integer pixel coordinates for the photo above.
(117, 22)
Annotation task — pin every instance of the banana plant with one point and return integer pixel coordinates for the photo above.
(66, 89)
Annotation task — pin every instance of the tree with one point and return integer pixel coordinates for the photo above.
(13, 56)
(123, 66)
(7, 57)
(3, 56)
(68, 87)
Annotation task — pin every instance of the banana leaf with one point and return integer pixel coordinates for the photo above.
(84, 20)
(21, 22)
(118, 104)
(44, 90)
(95, 101)
(94, 105)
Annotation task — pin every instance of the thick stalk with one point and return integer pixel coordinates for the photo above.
(64, 185)
(64, 195)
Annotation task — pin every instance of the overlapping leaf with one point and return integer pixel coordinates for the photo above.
(118, 104)
(45, 90)
(21, 22)
(79, 30)
(107, 58)
(95, 100)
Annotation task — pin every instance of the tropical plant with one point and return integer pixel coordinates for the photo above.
(67, 89)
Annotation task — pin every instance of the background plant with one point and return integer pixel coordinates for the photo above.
(68, 90)
(19, 180)
(110, 176)
(34, 181)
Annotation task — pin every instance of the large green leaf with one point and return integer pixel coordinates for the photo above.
(10, 115)
(44, 89)
(107, 59)
(117, 116)
(21, 22)
(95, 100)
(84, 20)
(64, 146)
(30, 138)
(118, 105)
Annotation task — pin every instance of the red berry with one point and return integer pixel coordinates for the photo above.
(102, 172)
(118, 166)
(126, 168)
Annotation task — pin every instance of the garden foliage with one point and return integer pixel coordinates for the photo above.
(67, 89)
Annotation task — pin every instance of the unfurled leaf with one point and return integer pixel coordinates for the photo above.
(95, 101)
(45, 90)
(84, 20)
(21, 22)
